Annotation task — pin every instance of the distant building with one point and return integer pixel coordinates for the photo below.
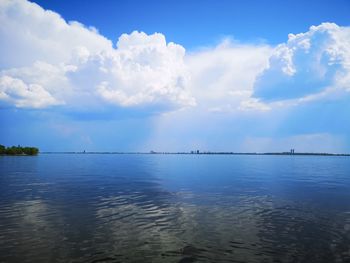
(197, 151)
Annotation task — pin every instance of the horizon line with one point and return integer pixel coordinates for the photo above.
(198, 153)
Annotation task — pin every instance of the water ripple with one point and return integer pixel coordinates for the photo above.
(174, 209)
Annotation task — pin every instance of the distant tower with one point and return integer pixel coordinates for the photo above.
(197, 151)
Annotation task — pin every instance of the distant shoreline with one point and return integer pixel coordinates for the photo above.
(208, 153)
(18, 151)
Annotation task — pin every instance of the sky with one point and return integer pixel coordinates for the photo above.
(242, 76)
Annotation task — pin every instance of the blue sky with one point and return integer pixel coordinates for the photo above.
(175, 75)
(199, 23)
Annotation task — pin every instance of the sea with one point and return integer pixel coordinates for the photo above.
(174, 208)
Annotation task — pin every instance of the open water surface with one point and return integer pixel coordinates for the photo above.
(174, 208)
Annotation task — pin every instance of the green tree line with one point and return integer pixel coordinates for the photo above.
(18, 150)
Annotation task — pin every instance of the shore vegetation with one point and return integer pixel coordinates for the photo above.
(18, 150)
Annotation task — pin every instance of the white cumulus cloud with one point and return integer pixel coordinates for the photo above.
(309, 63)
(29, 34)
(46, 61)
(143, 69)
(15, 91)
(76, 66)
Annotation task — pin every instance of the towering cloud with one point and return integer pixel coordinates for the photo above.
(142, 70)
(47, 61)
(314, 62)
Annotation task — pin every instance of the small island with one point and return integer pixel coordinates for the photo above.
(18, 150)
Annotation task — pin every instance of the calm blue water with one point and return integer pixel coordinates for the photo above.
(174, 208)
